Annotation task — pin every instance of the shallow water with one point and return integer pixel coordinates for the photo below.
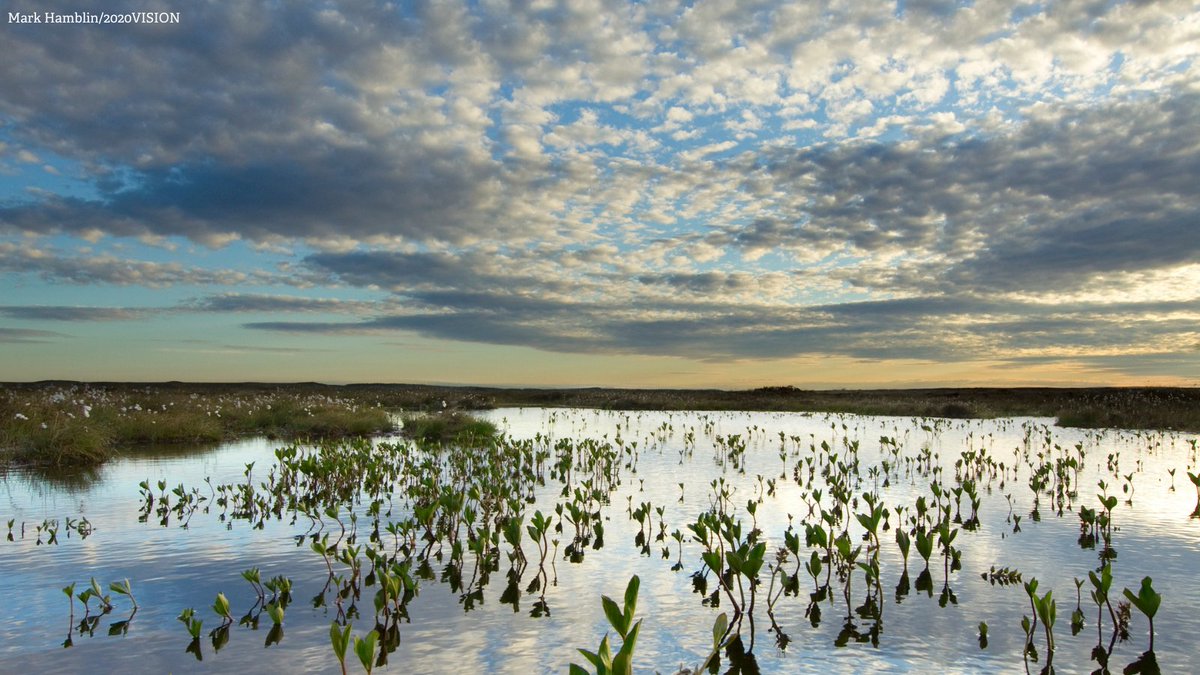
(171, 567)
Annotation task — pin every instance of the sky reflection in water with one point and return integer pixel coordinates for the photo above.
(172, 568)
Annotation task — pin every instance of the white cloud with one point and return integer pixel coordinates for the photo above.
(777, 152)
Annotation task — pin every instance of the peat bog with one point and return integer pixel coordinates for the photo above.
(721, 541)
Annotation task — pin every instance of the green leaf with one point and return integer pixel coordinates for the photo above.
(221, 606)
(605, 654)
(1147, 600)
(1046, 607)
(757, 552)
(275, 612)
(592, 657)
(365, 649)
(340, 637)
(864, 520)
(720, 626)
(615, 617)
(623, 662)
(924, 544)
(631, 593)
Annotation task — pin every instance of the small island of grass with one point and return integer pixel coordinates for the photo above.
(448, 427)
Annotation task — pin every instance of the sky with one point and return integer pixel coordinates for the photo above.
(599, 193)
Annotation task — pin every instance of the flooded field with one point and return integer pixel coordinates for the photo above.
(837, 543)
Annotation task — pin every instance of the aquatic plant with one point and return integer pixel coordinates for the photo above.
(221, 607)
(339, 636)
(1147, 600)
(122, 588)
(1077, 618)
(190, 621)
(365, 648)
(1047, 610)
(1003, 576)
(1195, 478)
(395, 516)
(69, 591)
(1101, 588)
(194, 626)
(621, 620)
(93, 591)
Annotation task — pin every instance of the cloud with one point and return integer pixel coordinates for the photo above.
(717, 180)
(1049, 205)
(82, 314)
(257, 303)
(26, 335)
(932, 328)
(363, 121)
(54, 267)
(229, 349)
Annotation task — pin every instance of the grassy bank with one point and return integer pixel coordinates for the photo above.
(75, 424)
(1121, 407)
(71, 423)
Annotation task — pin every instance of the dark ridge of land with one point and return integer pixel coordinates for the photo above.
(1175, 408)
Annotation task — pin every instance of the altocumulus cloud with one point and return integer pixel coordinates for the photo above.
(935, 180)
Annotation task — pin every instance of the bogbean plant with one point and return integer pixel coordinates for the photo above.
(1147, 600)
(465, 506)
(48, 530)
(1195, 478)
(1044, 609)
(621, 620)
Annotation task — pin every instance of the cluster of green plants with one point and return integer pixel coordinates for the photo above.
(274, 607)
(104, 605)
(1044, 610)
(47, 532)
(386, 518)
(459, 501)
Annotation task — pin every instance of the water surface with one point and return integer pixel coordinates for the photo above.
(174, 567)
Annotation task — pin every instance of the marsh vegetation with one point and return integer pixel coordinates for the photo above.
(723, 540)
(75, 425)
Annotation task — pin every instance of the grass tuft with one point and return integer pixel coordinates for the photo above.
(449, 427)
